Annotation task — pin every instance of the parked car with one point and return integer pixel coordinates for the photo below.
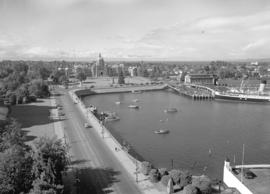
(87, 125)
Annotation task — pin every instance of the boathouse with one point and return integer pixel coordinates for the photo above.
(200, 79)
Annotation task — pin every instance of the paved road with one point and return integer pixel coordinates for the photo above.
(97, 168)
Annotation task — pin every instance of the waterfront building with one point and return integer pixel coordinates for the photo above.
(247, 179)
(200, 79)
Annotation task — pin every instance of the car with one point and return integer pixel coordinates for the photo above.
(87, 125)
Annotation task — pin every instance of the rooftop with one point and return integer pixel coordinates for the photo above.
(261, 183)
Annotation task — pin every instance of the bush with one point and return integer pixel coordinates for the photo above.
(175, 174)
(185, 178)
(203, 183)
(146, 167)
(154, 175)
(190, 189)
(165, 179)
(163, 171)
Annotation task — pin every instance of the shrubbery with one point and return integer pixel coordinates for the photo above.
(165, 179)
(154, 175)
(145, 167)
(190, 189)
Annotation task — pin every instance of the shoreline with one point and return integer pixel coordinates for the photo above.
(129, 162)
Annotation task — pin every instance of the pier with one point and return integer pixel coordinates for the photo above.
(196, 92)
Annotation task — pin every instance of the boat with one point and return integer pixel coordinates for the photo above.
(133, 106)
(170, 110)
(135, 100)
(111, 116)
(136, 91)
(242, 97)
(162, 131)
(117, 102)
(239, 95)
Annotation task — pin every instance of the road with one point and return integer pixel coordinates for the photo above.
(97, 169)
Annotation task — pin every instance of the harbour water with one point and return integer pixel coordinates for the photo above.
(202, 133)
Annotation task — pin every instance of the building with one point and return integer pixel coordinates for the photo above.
(99, 68)
(132, 71)
(255, 179)
(200, 79)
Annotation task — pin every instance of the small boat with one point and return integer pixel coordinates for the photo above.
(135, 100)
(170, 110)
(133, 106)
(136, 91)
(162, 131)
(111, 116)
(117, 102)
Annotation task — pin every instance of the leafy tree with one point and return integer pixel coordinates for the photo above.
(175, 174)
(50, 160)
(80, 75)
(185, 178)
(11, 134)
(165, 179)
(203, 183)
(190, 189)
(44, 73)
(15, 170)
(146, 167)
(39, 88)
(154, 175)
(163, 171)
(121, 78)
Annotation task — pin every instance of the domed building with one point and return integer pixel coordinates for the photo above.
(99, 68)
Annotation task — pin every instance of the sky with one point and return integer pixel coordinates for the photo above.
(134, 29)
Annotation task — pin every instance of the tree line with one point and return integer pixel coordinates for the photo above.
(33, 169)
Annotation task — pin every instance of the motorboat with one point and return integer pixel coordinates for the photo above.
(133, 106)
(136, 91)
(111, 116)
(162, 131)
(170, 110)
(117, 102)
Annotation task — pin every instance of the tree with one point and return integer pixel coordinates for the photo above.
(50, 160)
(15, 170)
(146, 167)
(44, 73)
(185, 178)
(165, 179)
(203, 183)
(81, 76)
(39, 88)
(175, 174)
(154, 175)
(190, 189)
(10, 135)
(121, 78)
(163, 171)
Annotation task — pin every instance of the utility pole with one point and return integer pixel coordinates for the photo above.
(172, 163)
(243, 158)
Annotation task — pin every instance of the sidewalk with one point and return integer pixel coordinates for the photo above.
(127, 161)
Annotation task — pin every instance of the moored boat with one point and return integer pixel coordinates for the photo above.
(136, 91)
(162, 131)
(242, 97)
(133, 106)
(170, 110)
